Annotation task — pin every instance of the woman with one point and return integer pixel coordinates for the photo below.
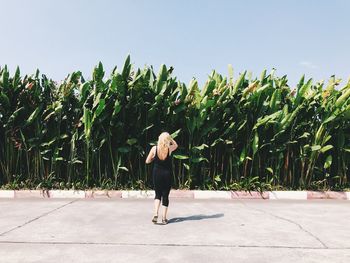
(162, 173)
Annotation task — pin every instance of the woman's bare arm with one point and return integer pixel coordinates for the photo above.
(151, 155)
(173, 145)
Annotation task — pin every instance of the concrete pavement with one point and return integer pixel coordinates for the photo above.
(120, 230)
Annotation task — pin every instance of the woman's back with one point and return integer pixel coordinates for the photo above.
(162, 163)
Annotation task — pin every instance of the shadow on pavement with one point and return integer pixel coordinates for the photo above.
(194, 217)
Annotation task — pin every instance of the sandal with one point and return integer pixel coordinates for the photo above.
(165, 221)
(154, 219)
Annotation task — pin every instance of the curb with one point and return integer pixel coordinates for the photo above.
(295, 195)
(186, 194)
(7, 194)
(205, 194)
(249, 195)
(348, 195)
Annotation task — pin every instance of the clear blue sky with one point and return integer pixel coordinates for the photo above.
(295, 37)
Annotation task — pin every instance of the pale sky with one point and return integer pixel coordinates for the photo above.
(195, 37)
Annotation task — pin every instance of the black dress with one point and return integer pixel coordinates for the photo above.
(162, 178)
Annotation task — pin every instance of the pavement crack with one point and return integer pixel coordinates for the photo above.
(169, 245)
(290, 221)
(36, 218)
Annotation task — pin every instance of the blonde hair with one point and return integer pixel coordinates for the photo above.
(164, 140)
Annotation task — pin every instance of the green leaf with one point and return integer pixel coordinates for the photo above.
(255, 144)
(123, 168)
(329, 119)
(147, 128)
(275, 100)
(217, 178)
(34, 114)
(180, 157)
(243, 155)
(328, 162)
(126, 68)
(342, 99)
(117, 108)
(87, 123)
(326, 148)
(64, 136)
(216, 142)
(201, 147)
(45, 151)
(98, 73)
(102, 142)
(97, 100)
(180, 108)
(4, 100)
(175, 134)
(269, 169)
(125, 149)
(131, 141)
(305, 135)
(200, 159)
(242, 125)
(315, 147)
(187, 167)
(16, 78)
(239, 83)
(302, 92)
(48, 143)
(15, 114)
(101, 106)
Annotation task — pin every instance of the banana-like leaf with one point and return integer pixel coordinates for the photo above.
(326, 148)
(34, 115)
(131, 141)
(180, 157)
(315, 147)
(175, 134)
(343, 98)
(199, 159)
(303, 91)
(255, 144)
(328, 162)
(239, 83)
(201, 147)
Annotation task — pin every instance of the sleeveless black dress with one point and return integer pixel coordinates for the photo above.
(162, 177)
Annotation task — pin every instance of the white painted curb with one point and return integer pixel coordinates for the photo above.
(66, 194)
(347, 195)
(198, 194)
(295, 195)
(191, 194)
(138, 194)
(7, 193)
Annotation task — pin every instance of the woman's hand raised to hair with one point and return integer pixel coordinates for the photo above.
(173, 145)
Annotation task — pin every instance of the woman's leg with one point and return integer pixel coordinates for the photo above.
(158, 193)
(165, 202)
(156, 206)
(165, 212)
(157, 199)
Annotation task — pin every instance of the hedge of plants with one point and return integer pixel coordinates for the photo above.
(235, 132)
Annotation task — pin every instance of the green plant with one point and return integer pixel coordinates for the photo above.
(240, 133)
